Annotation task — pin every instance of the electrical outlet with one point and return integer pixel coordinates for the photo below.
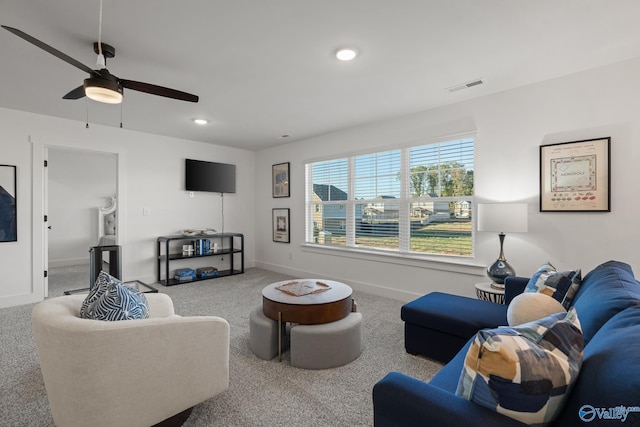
(146, 211)
(191, 194)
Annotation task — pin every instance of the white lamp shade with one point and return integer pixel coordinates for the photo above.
(502, 217)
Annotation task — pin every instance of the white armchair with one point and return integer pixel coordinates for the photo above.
(130, 372)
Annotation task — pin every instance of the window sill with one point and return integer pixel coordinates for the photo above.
(431, 262)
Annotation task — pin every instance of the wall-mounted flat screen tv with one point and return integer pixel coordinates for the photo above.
(210, 176)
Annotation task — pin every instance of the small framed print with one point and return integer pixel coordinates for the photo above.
(8, 205)
(575, 177)
(281, 231)
(280, 180)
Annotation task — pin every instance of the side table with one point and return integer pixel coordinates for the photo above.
(135, 284)
(140, 286)
(485, 291)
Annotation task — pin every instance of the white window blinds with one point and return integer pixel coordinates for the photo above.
(412, 200)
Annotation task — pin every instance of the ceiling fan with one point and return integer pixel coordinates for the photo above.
(102, 86)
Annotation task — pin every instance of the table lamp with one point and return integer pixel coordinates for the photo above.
(502, 217)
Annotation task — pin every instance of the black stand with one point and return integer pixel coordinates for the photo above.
(95, 265)
(95, 255)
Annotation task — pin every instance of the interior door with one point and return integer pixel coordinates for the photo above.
(46, 225)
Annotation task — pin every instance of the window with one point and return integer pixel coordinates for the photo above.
(411, 200)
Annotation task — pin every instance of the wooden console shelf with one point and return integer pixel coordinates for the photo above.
(232, 246)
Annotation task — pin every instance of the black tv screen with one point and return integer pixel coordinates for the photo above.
(210, 176)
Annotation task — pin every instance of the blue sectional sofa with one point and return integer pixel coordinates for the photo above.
(607, 389)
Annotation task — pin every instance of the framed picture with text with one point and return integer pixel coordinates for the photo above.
(8, 205)
(280, 180)
(575, 177)
(280, 219)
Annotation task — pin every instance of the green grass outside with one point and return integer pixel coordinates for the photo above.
(422, 241)
(429, 245)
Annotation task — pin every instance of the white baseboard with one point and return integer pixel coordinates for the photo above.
(15, 300)
(67, 262)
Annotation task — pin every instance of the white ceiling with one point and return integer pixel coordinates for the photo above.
(264, 68)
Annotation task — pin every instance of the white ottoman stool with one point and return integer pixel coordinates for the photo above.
(327, 345)
(263, 335)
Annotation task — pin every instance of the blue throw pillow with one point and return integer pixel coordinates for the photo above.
(109, 299)
(561, 286)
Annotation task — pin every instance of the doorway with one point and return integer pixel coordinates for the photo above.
(78, 184)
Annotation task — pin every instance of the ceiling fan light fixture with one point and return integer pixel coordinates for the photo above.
(102, 90)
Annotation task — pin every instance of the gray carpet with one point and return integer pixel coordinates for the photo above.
(261, 393)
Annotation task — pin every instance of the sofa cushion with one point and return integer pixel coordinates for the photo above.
(448, 377)
(561, 286)
(524, 372)
(109, 299)
(531, 306)
(609, 376)
(605, 291)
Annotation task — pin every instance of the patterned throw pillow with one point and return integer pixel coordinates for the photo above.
(562, 286)
(109, 299)
(525, 372)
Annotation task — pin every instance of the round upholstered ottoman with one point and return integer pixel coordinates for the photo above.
(327, 345)
(263, 335)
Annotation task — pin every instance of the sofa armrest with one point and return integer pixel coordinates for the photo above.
(400, 400)
(160, 305)
(514, 286)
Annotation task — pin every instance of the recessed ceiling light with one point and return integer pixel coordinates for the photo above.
(346, 54)
(200, 121)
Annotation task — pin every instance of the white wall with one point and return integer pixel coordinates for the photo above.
(80, 182)
(510, 127)
(151, 176)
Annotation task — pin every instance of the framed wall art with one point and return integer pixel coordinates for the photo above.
(575, 176)
(280, 179)
(281, 231)
(8, 213)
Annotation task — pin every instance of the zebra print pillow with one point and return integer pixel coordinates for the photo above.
(109, 299)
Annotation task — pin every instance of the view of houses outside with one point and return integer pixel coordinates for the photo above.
(435, 208)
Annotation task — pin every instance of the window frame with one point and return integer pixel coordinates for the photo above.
(405, 201)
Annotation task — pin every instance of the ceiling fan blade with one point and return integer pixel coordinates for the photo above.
(55, 52)
(76, 93)
(158, 90)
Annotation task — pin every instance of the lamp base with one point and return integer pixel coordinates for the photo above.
(498, 271)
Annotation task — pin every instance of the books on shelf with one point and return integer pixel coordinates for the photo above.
(202, 246)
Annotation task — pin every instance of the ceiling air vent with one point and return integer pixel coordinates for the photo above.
(466, 85)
